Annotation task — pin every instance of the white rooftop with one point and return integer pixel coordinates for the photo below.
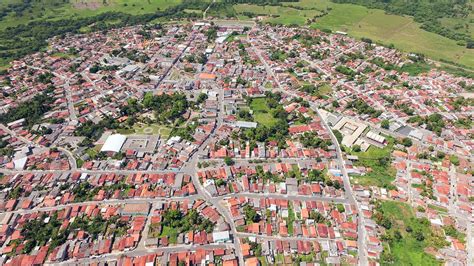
(20, 163)
(221, 236)
(114, 143)
(246, 124)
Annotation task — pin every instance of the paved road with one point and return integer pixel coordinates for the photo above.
(190, 197)
(253, 160)
(470, 243)
(91, 172)
(67, 91)
(363, 257)
(144, 235)
(454, 211)
(285, 197)
(163, 77)
(286, 238)
(190, 169)
(105, 202)
(135, 253)
(361, 231)
(70, 102)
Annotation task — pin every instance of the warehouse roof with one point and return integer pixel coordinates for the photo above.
(114, 143)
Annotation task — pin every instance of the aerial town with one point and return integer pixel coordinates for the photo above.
(217, 143)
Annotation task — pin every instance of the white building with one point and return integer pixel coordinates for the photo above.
(114, 143)
(222, 236)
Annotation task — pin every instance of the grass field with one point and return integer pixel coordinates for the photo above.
(403, 32)
(325, 89)
(360, 22)
(262, 113)
(381, 175)
(408, 250)
(63, 55)
(153, 129)
(171, 233)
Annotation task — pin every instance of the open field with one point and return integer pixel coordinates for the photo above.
(382, 173)
(408, 250)
(262, 113)
(171, 233)
(153, 129)
(403, 32)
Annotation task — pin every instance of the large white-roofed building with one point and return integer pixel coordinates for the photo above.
(113, 144)
(245, 124)
(375, 137)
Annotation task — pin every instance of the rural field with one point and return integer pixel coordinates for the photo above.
(403, 32)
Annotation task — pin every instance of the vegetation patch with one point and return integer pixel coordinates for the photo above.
(262, 112)
(406, 238)
(176, 222)
(32, 111)
(377, 161)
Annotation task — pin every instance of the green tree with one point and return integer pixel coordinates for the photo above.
(251, 214)
(407, 142)
(228, 161)
(356, 148)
